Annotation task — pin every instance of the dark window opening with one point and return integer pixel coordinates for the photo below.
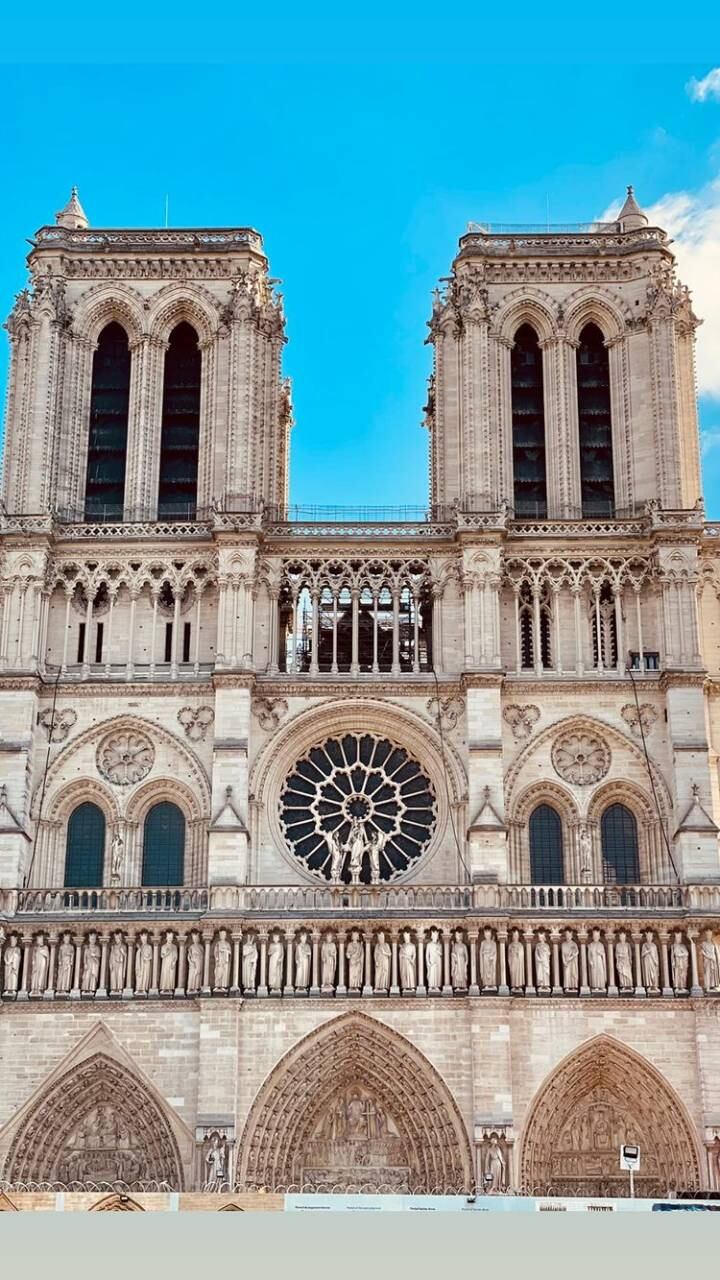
(597, 485)
(164, 845)
(375, 630)
(186, 642)
(179, 443)
(619, 837)
(99, 641)
(168, 641)
(81, 643)
(107, 441)
(547, 864)
(650, 661)
(605, 644)
(528, 425)
(85, 848)
(526, 609)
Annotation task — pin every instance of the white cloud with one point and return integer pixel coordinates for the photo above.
(708, 87)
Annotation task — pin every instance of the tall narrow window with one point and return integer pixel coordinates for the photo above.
(597, 487)
(604, 617)
(619, 837)
(85, 848)
(546, 846)
(164, 845)
(107, 442)
(528, 425)
(526, 617)
(179, 441)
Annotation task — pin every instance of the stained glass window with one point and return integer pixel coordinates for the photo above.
(618, 831)
(85, 849)
(164, 845)
(179, 442)
(107, 442)
(546, 846)
(528, 425)
(595, 424)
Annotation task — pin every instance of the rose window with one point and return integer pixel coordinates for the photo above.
(358, 809)
(125, 758)
(582, 758)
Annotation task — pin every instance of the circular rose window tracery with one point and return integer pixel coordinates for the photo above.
(358, 809)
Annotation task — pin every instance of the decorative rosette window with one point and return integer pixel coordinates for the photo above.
(358, 810)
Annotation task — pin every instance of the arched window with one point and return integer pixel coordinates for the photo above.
(604, 628)
(526, 618)
(619, 837)
(179, 442)
(528, 425)
(597, 486)
(164, 845)
(85, 848)
(107, 441)
(547, 865)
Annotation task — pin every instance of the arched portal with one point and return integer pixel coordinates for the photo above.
(355, 1105)
(601, 1096)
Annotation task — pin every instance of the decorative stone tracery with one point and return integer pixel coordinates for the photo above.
(581, 758)
(125, 758)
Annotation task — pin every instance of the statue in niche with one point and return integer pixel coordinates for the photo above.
(118, 963)
(91, 965)
(249, 962)
(143, 965)
(356, 846)
(585, 853)
(381, 956)
(597, 963)
(459, 962)
(711, 961)
(222, 956)
(168, 962)
(570, 951)
(117, 854)
(376, 845)
(516, 962)
(215, 1163)
(303, 956)
(494, 1166)
(488, 960)
(408, 962)
(276, 957)
(40, 965)
(433, 961)
(650, 963)
(356, 961)
(337, 856)
(328, 958)
(623, 962)
(65, 965)
(195, 959)
(542, 962)
(679, 957)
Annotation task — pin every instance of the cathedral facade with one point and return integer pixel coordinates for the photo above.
(342, 854)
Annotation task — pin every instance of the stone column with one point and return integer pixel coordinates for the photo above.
(25, 962)
(289, 989)
(154, 978)
(368, 975)
(555, 941)
(529, 972)
(49, 993)
(610, 948)
(262, 988)
(394, 986)
(667, 988)
(78, 941)
(420, 944)
(237, 943)
(503, 988)
(341, 988)
(472, 938)
(180, 981)
(447, 989)
(582, 942)
(695, 988)
(639, 988)
(101, 993)
(315, 984)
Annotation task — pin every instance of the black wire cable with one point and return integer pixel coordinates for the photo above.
(649, 770)
(51, 730)
(445, 774)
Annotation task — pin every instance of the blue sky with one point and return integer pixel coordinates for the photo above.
(360, 148)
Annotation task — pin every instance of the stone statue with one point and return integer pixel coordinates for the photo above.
(222, 956)
(356, 848)
(433, 961)
(623, 962)
(117, 854)
(337, 856)
(91, 965)
(516, 962)
(65, 965)
(118, 963)
(143, 965)
(570, 951)
(494, 1167)
(356, 961)
(328, 965)
(376, 844)
(215, 1163)
(542, 962)
(168, 962)
(381, 955)
(488, 960)
(11, 962)
(650, 963)
(195, 959)
(408, 962)
(459, 962)
(585, 854)
(276, 957)
(303, 956)
(597, 963)
(40, 965)
(711, 961)
(679, 957)
(249, 962)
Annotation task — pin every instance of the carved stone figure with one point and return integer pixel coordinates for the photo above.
(650, 962)
(679, 958)
(249, 962)
(168, 962)
(356, 848)
(222, 956)
(488, 960)
(328, 962)
(570, 951)
(585, 853)
(624, 962)
(408, 962)
(143, 965)
(303, 956)
(459, 962)
(710, 961)
(494, 1166)
(118, 963)
(337, 856)
(11, 963)
(516, 962)
(276, 957)
(65, 965)
(542, 962)
(376, 844)
(117, 853)
(91, 965)
(356, 961)
(381, 956)
(195, 959)
(39, 965)
(597, 963)
(216, 1163)
(433, 961)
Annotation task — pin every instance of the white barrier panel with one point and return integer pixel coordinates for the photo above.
(312, 1203)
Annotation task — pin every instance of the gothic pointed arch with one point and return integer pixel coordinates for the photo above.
(355, 1104)
(600, 1096)
(117, 1203)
